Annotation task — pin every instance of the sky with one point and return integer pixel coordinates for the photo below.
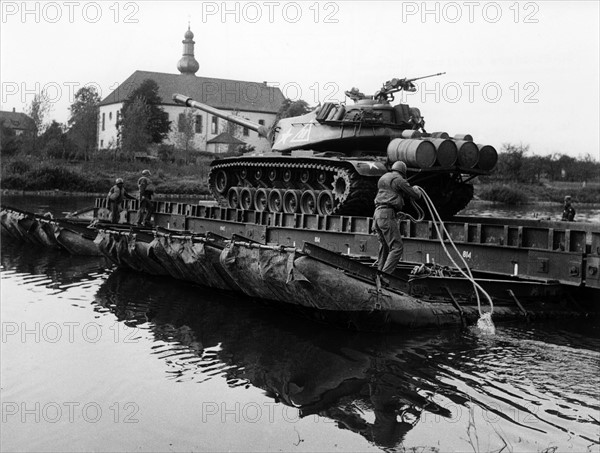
(515, 72)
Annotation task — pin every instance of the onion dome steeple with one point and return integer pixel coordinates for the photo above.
(188, 64)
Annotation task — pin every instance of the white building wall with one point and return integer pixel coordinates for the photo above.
(107, 126)
(108, 134)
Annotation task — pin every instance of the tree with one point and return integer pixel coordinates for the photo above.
(54, 142)
(510, 161)
(291, 108)
(84, 120)
(587, 168)
(233, 130)
(37, 110)
(158, 125)
(186, 131)
(9, 142)
(134, 133)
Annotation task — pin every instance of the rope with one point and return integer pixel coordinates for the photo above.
(418, 208)
(435, 216)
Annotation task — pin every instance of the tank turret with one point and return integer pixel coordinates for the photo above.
(328, 161)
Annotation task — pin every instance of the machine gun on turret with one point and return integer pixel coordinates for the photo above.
(385, 94)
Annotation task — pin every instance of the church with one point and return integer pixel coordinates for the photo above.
(255, 101)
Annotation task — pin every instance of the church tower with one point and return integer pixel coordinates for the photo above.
(188, 65)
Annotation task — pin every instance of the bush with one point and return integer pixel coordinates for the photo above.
(49, 178)
(13, 182)
(54, 148)
(18, 167)
(503, 194)
(166, 153)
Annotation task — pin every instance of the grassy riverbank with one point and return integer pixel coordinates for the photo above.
(99, 176)
(191, 179)
(518, 193)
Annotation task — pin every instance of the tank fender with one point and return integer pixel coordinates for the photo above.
(369, 168)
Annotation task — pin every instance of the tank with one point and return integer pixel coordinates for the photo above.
(328, 161)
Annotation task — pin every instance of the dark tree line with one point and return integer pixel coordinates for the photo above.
(514, 164)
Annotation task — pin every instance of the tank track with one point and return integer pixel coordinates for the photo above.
(337, 189)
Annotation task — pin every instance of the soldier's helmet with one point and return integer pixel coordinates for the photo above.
(400, 167)
(119, 181)
(146, 173)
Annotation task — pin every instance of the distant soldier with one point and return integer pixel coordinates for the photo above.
(392, 187)
(568, 211)
(116, 195)
(146, 189)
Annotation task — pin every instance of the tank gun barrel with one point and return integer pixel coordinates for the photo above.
(189, 102)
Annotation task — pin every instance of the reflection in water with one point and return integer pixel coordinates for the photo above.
(530, 388)
(525, 384)
(56, 267)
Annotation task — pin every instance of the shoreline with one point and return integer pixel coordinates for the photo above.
(530, 203)
(205, 197)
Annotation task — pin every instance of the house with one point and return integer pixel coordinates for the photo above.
(255, 101)
(17, 121)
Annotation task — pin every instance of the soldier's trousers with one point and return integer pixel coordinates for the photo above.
(391, 247)
(115, 210)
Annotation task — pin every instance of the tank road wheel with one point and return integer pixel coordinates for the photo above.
(287, 175)
(291, 201)
(272, 175)
(258, 174)
(233, 197)
(305, 176)
(275, 201)
(308, 203)
(221, 181)
(325, 202)
(261, 198)
(321, 177)
(247, 198)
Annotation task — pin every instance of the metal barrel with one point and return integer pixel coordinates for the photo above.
(447, 152)
(468, 154)
(465, 137)
(411, 133)
(415, 153)
(488, 157)
(440, 135)
(189, 102)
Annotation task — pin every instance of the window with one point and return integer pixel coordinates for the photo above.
(246, 132)
(103, 120)
(214, 125)
(110, 115)
(261, 122)
(198, 124)
(181, 122)
(101, 143)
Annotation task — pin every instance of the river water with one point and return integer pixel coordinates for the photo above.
(102, 359)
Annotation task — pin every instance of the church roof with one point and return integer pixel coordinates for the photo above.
(220, 93)
(226, 137)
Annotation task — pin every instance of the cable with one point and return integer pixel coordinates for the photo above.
(419, 209)
(435, 218)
